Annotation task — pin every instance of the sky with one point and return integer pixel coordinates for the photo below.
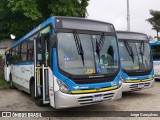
(115, 12)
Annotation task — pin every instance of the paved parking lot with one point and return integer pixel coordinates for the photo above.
(145, 100)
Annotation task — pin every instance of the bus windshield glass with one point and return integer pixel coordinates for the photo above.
(135, 55)
(87, 54)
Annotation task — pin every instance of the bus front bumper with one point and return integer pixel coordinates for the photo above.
(76, 100)
(137, 86)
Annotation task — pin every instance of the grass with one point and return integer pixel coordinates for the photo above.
(3, 84)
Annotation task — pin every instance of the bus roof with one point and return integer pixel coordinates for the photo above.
(154, 42)
(51, 20)
(128, 35)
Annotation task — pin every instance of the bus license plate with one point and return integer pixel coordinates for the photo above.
(97, 97)
(141, 85)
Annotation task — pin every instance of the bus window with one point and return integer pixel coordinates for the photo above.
(156, 52)
(24, 51)
(30, 50)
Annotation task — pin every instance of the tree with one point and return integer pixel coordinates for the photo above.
(13, 22)
(75, 8)
(155, 20)
(20, 16)
(150, 38)
(42, 9)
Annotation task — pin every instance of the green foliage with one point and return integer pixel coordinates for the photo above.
(20, 16)
(155, 20)
(35, 9)
(69, 7)
(4, 84)
(13, 22)
(158, 38)
(29, 8)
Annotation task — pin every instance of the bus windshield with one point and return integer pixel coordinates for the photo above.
(135, 55)
(87, 54)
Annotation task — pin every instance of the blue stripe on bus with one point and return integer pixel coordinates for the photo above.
(156, 60)
(154, 43)
(24, 63)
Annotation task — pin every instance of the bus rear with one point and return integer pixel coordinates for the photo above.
(136, 61)
(155, 46)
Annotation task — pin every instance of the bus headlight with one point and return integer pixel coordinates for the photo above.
(120, 81)
(63, 87)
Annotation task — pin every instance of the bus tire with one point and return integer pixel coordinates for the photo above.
(39, 101)
(32, 90)
(11, 82)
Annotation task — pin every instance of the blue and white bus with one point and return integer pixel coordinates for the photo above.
(155, 46)
(67, 62)
(136, 61)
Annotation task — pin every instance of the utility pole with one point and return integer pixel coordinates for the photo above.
(128, 16)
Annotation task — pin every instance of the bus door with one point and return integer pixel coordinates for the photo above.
(42, 68)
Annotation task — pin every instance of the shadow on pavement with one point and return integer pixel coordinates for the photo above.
(157, 79)
(136, 94)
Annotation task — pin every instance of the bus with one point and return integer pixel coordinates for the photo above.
(136, 61)
(66, 62)
(155, 46)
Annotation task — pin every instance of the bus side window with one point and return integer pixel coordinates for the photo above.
(30, 51)
(24, 51)
(39, 51)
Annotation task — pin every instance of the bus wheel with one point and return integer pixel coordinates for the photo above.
(39, 101)
(32, 90)
(11, 82)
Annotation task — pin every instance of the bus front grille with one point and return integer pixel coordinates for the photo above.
(87, 100)
(134, 87)
(147, 84)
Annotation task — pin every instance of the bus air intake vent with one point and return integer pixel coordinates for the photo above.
(147, 84)
(134, 87)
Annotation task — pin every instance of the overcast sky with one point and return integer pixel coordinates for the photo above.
(115, 12)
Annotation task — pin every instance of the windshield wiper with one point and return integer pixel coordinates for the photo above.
(129, 50)
(142, 51)
(101, 41)
(79, 45)
(99, 45)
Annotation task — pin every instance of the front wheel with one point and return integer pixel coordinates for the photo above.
(38, 100)
(32, 90)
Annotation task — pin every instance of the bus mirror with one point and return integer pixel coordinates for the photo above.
(52, 40)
